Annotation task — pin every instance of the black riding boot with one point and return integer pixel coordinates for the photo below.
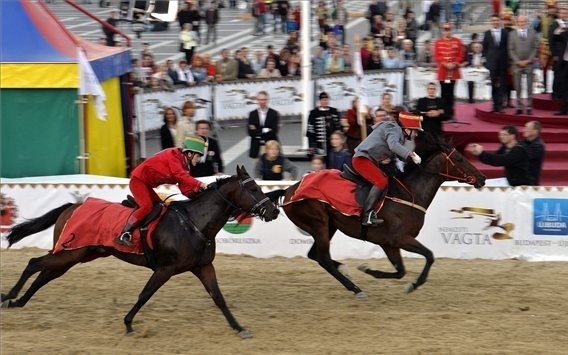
(369, 216)
(125, 237)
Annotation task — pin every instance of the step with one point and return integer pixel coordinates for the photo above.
(544, 102)
(508, 117)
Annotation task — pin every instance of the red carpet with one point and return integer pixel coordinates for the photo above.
(476, 124)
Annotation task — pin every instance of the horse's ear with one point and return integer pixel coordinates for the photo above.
(244, 171)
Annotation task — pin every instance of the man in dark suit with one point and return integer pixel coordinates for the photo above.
(523, 44)
(560, 40)
(211, 162)
(495, 53)
(262, 124)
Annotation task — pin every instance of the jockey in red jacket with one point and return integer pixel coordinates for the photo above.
(170, 166)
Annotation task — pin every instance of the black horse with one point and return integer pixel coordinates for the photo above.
(184, 240)
(403, 213)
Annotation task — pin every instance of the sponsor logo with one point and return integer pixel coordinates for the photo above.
(8, 213)
(500, 231)
(239, 225)
(550, 216)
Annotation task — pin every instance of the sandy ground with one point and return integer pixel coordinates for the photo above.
(293, 307)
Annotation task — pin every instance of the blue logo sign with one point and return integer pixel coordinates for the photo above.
(550, 216)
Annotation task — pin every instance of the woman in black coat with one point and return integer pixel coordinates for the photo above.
(168, 130)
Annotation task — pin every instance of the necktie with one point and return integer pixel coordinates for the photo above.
(523, 34)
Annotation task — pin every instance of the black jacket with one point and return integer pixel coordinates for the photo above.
(496, 55)
(257, 138)
(213, 162)
(166, 138)
(515, 161)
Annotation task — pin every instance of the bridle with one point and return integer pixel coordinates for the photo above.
(462, 176)
(257, 209)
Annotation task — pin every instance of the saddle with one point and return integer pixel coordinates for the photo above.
(363, 186)
(155, 213)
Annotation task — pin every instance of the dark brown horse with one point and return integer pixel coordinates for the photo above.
(403, 213)
(184, 240)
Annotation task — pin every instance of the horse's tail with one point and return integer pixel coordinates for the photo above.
(33, 226)
(275, 196)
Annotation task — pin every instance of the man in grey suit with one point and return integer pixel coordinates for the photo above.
(523, 45)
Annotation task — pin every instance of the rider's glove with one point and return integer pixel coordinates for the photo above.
(416, 158)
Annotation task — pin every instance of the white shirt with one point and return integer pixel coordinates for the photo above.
(262, 117)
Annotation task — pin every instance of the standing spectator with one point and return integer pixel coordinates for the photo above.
(109, 33)
(457, 10)
(270, 71)
(188, 41)
(544, 50)
(168, 130)
(195, 19)
(388, 37)
(211, 162)
(259, 10)
(262, 125)
(374, 62)
(476, 59)
(386, 103)
(557, 46)
(272, 164)
(282, 14)
(227, 68)
(353, 133)
(449, 53)
(322, 121)
(411, 28)
(340, 16)
(433, 19)
(339, 154)
(508, 26)
(560, 37)
(511, 155)
(535, 147)
(321, 14)
(373, 11)
(184, 15)
(186, 126)
(426, 57)
(522, 50)
(431, 108)
(378, 27)
(495, 51)
(212, 19)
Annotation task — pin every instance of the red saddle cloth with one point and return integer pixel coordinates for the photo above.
(98, 223)
(329, 187)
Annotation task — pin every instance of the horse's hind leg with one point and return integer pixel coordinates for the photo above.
(393, 254)
(34, 265)
(320, 253)
(208, 278)
(52, 266)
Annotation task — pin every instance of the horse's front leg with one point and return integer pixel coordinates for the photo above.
(208, 277)
(413, 246)
(157, 280)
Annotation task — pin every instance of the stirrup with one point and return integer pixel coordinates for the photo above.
(124, 239)
(371, 220)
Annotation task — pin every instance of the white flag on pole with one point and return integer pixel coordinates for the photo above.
(359, 86)
(89, 84)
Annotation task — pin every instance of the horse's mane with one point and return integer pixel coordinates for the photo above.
(212, 186)
(427, 146)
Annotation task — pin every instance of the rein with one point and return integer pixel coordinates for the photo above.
(242, 185)
(463, 178)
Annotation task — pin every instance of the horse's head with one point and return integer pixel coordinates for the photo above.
(251, 199)
(446, 161)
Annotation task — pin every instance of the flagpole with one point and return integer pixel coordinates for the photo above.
(82, 153)
(362, 107)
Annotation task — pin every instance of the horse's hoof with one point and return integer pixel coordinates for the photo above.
(410, 288)
(245, 334)
(130, 334)
(361, 295)
(363, 267)
(6, 304)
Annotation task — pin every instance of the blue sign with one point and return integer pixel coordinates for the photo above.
(550, 216)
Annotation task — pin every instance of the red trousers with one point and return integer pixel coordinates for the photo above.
(145, 197)
(370, 171)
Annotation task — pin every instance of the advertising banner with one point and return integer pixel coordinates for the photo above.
(529, 223)
(418, 78)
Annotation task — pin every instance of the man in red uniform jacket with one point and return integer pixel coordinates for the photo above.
(170, 166)
(449, 53)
